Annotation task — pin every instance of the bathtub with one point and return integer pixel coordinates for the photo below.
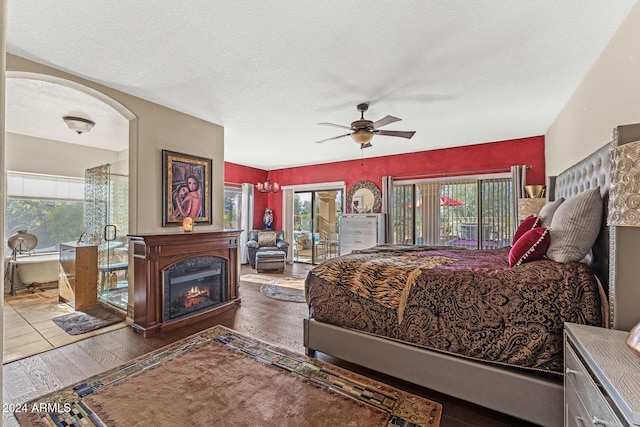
(32, 269)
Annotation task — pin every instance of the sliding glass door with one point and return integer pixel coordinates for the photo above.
(470, 213)
(315, 225)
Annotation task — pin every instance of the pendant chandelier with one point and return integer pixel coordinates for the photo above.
(267, 187)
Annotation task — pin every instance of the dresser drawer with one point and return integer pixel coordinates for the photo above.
(595, 409)
(359, 223)
(575, 414)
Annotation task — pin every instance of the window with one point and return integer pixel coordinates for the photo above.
(471, 213)
(49, 207)
(232, 205)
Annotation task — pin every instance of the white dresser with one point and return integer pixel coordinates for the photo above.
(360, 231)
(602, 378)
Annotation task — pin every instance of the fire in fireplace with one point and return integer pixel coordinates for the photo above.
(193, 285)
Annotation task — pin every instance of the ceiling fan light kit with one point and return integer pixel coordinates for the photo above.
(78, 124)
(363, 129)
(362, 136)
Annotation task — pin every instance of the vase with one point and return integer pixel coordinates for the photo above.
(267, 218)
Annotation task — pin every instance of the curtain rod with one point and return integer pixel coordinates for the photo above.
(232, 183)
(459, 173)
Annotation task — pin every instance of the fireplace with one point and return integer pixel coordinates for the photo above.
(183, 278)
(193, 285)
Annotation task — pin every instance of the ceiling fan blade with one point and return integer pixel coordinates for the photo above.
(367, 145)
(400, 133)
(385, 121)
(335, 137)
(333, 124)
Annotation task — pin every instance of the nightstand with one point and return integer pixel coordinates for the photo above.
(602, 378)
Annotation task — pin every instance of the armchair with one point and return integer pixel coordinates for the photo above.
(265, 240)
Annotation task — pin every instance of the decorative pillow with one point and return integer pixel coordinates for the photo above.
(530, 246)
(267, 238)
(547, 211)
(575, 226)
(527, 224)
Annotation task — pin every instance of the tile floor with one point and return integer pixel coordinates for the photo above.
(28, 328)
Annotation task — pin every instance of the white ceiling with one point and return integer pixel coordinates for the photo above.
(457, 72)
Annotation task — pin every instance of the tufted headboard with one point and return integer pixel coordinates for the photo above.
(589, 173)
(614, 256)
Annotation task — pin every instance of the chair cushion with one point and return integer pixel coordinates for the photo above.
(267, 238)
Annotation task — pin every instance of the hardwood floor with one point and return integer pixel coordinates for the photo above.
(265, 318)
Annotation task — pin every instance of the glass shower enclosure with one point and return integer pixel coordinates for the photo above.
(106, 224)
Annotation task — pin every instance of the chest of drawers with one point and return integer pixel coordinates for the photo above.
(602, 378)
(360, 231)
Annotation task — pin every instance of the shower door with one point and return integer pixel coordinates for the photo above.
(106, 223)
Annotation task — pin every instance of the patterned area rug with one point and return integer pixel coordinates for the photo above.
(221, 377)
(285, 289)
(87, 320)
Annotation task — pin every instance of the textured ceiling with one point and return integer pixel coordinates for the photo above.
(457, 72)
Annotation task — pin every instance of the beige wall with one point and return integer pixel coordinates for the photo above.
(608, 96)
(3, 39)
(152, 129)
(37, 155)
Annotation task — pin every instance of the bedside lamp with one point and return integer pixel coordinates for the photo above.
(624, 202)
(528, 207)
(532, 204)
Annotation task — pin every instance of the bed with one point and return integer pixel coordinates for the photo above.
(503, 341)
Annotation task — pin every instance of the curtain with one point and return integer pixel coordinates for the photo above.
(287, 220)
(246, 215)
(519, 179)
(387, 207)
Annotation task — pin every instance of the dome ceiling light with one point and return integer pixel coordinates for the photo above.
(79, 124)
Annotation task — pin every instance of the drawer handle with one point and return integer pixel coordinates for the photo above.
(572, 372)
(580, 421)
(597, 421)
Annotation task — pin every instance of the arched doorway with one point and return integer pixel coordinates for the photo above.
(41, 148)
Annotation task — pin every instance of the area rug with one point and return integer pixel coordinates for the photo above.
(258, 278)
(221, 377)
(90, 319)
(285, 289)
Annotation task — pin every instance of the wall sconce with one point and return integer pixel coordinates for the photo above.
(79, 124)
(267, 187)
(624, 202)
(187, 224)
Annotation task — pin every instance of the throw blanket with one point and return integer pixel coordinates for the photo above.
(386, 280)
(465, 302)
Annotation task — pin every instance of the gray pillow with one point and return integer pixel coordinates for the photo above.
(547, 211)
(575, 226)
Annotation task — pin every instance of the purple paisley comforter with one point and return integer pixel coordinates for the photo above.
(466, 302)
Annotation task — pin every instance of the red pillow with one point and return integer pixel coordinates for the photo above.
(531, 246)
(527, 224)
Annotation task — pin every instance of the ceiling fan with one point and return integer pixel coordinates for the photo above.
(363, 129)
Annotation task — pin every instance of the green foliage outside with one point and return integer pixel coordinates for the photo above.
(51, 221)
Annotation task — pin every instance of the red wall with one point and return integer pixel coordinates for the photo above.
(235, 175)
(454, 161)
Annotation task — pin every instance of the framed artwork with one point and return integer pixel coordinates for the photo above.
(186, 188)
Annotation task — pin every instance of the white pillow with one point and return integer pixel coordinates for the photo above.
(575, 226)
(547, 211)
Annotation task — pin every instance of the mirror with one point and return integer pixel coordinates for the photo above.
(364, 197)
